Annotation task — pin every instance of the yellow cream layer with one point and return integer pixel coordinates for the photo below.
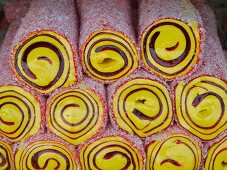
(6, 156)
(20, 113)
(44, 54)
(201, 106)
(217, 156)
(142, 106)
(178, 152)
(113, 153)
(75, 115)
(174, 39)
(46, 155)
(105, 51)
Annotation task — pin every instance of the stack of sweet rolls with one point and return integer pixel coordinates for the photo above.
(97, 85)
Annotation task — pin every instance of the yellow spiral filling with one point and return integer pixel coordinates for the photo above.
(76, 115)
(5, 156)
(170, 47)
(178, 152)
(20, 114)
(44, 60)
(201, 106)
(109, 55)
(217, 156)
(142, 106)
(113, 153)
(46, 155)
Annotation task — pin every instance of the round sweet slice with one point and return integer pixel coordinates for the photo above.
(44, 61)
(217, 156)
(113, 152)
(109, 55)
(142, 106)
(178, 152)
(6, 162)
(76, 114)
(170, 47)
(201, 106)
(20, 113)
(45, 155)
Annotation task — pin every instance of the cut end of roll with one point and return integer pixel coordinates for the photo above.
(175, 152)
(109, 55)
(45, 61)
(20, 113)
(201, 106)
(76, 114)
(170, 47)
(6, 156)
(141, 106)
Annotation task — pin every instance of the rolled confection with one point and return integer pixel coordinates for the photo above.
(21, 109)
(174, 150)
(45, 152)
(15, 10)
(140, 104)
(170, 37)
(6, 155)
(217, 156)
(112, 150)
(107, 39)
(201, 100)
(47, 40)
(78, 113)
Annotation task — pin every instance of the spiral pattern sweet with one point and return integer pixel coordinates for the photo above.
(76, 115)
(170, 47)
(112, 152)
(20, 113)
(45, 155)
(5, 156)
(41, 52)
(142, 106)
(201, 106)
(109, 55)
(217, 156)
(176, 152)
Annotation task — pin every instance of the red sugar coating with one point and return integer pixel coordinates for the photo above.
(197, 1)
(57, 16)
(112, 131)
(105, 15)
(15, 9)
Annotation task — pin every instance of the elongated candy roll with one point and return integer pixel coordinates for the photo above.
(15, 10)
(47, 40)
(76, 114)
(140, 104)
(176, 151)
(107, 39)
(20, 108)
(44, 152)
(6, 156)
(171, 35)
(201, 100)
(113, 150)
(217, 156)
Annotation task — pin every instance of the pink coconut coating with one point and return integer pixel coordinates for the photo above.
(57, 16)
(111, 90)
(15, 10)
(112, 131)
(98, 15)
